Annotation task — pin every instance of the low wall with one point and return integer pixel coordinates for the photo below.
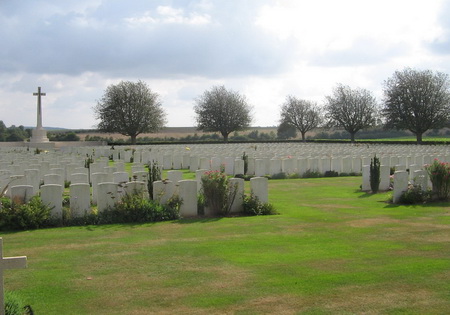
(52, 144)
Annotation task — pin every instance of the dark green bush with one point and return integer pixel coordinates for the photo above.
(331, 174)
(245, 177)
(134, 208)
(281, 175)
(312, 174)
(252, 206)
(18, 216)
(375, 174)
(154, 174)
(294, 176)
(415, 195)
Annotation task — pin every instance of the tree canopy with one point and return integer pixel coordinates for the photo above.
(351, 109)
(223, 111)
(302, 114)
(286, 131)
(416, 101)
(130, 108)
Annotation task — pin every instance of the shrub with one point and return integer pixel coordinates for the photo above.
(312, 174)
(414, 195)
(252, 206)
(245, 177)
(281, 175)
(134, 208)
(154, 174)
(294, 176)
(218, 194)
(331, 174)
(245, 158)
(439, 173)
(22, 216)
(375, 174)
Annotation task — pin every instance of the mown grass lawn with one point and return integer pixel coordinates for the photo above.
(332, 250)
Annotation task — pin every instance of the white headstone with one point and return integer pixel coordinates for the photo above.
(174, 176)
(400, 184)
(22, 193)
(259, 188)
(188, 195)
(80, 199)
(51, 195)
(163, 191)
(237, 186)
(106, 196)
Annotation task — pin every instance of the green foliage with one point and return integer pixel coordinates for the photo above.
(222, 110)
(417, 101)
(19, 216)
(154, 174)
(351, 109)
(312, 174)
(13, 133)
(281, 175)
(14, 305)
(286, 131)
(218, 193)
(331, 174)
(245, 158)
(375, 174)
(252, 206)
(439, 174)
(63, 136)
(133, 208)
(244, 177)
(135, 101)
(88, 161)
(415, 195)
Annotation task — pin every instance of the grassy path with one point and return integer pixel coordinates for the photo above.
(333, 250)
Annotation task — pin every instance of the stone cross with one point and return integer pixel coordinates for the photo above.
(8, 263)
(39, 107)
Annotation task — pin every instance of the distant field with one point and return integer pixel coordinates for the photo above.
(176, 132)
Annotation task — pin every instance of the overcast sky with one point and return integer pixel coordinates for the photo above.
(264, 49)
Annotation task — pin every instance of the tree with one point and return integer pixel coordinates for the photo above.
(351, 109)
(303, 115)
(130, 109)
(286, 131)
(416, 101)
(222, 110)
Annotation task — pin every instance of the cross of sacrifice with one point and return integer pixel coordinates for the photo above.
(39, 107)
(19, 262)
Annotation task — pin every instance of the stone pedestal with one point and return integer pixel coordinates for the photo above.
(39, 135)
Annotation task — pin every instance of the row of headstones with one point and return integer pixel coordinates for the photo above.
(108, 193)
(142, 153)
(402, 178)
(175, 156)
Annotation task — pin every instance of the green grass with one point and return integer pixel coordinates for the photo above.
(332, 250)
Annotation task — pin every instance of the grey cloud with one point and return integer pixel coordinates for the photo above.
(230, 46)
(442, 45)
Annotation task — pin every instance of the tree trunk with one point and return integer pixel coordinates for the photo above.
(419, 138)
(133, 139)
(303, 136)
(225, 137)
(352, 137)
